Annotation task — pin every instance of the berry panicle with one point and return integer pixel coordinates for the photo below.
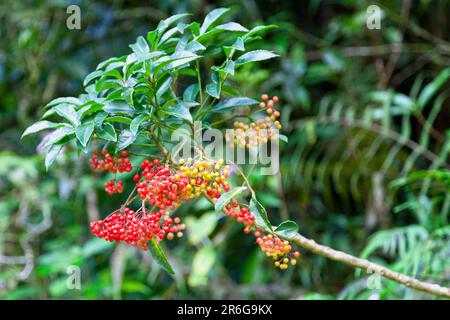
(118, 164)
(272, 245)
(262, 130)
(106, 162)
(137, 228)
(165, 187)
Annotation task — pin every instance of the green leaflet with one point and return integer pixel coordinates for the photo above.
(227, 197)
(287, 229)
(158, 254)
(256, 55)
(39, 126)
(260, 214)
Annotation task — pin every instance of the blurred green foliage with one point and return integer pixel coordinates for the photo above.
(365, 170)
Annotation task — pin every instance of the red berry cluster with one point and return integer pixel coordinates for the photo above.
(242, 215)
(271, 244)
(160, 186)
(278, 249)
(164, 188)
(110, 163)
(114, 164)
(137, 228)
(112, 187)
(167, 188)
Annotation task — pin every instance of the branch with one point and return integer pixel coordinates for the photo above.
(368, 266)
(363, 264)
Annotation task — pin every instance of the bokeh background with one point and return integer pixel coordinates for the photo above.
(365, 170)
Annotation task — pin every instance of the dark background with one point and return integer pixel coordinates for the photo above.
(353, 184)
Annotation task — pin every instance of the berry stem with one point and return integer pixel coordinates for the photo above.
(243, 177)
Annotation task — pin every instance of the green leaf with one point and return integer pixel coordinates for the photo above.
(140, 48)
(91, 76)
(99, 118)
(168, 35)
(114, 60)
(202, 263)
(260, 214)
(431, 88)
(181, 45)
(181, 110)
(84, 132)
(207, 35)
(234, 102)
(89, 108)
(126, 138)
(68, 112)
(200, 228)
(164, 87)
(228, 68)
(175, 60)
(164, 24)
(227, 197)
(118, 107)
(127, 95)
(211, 18)
(213, 89)
(159, 256)
(114, 74)
(39, 126)
(61, 134)
(191, 93)
(68, 100)
(258, 29)
(52, 154)
(237, 45)
(194, 46)
(256, 55)
(48, 113)
(107, 132)
(151, 37)
(232, 26)
(287, 229)
(230, 90)
(119, 119)
(283, 138)
(134, 125)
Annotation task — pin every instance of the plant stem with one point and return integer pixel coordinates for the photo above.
(368, 266)
(243, 177)
(199, 80)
